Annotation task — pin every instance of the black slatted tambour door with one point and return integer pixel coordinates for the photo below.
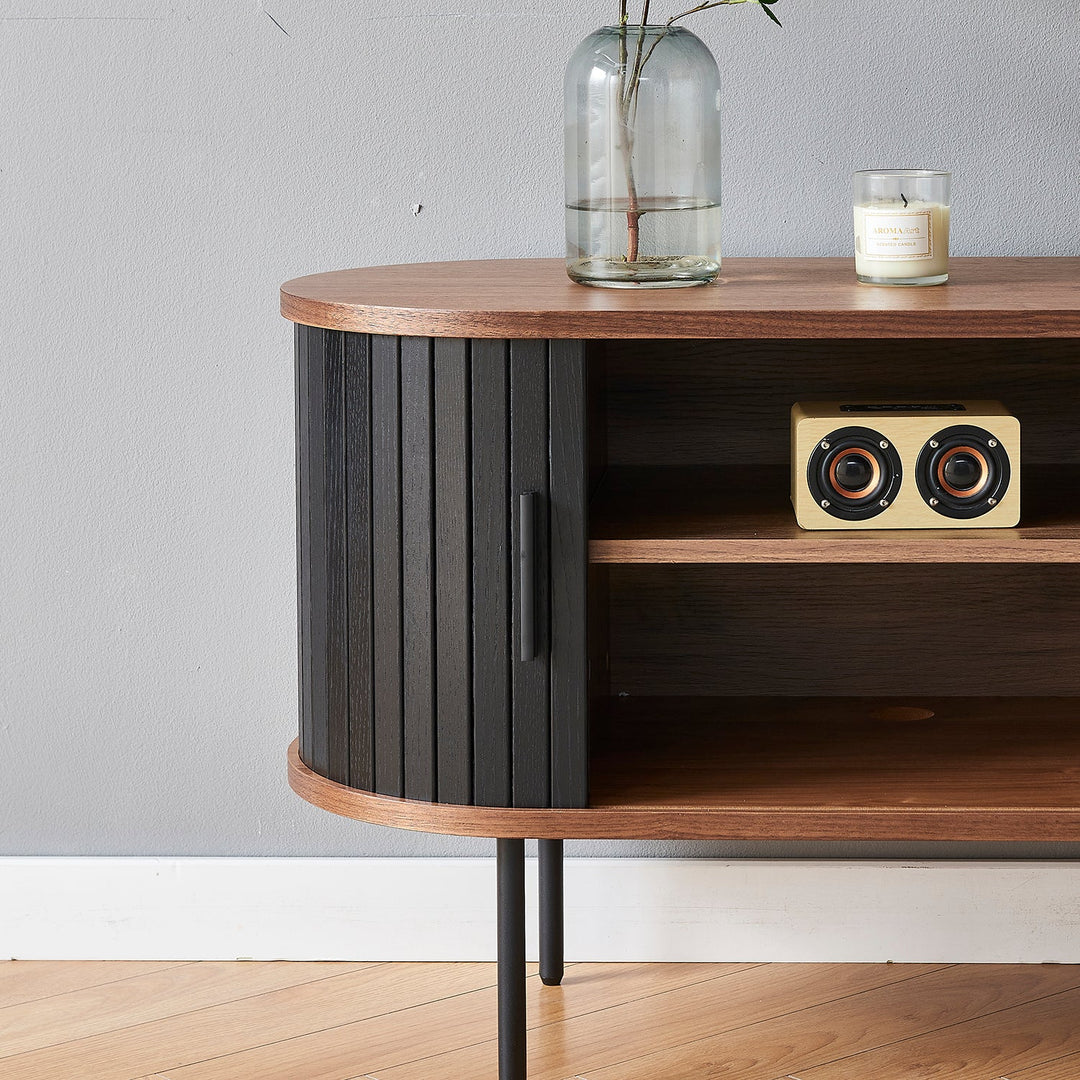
(441, 540)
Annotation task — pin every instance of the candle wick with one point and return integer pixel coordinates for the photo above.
(905, 200)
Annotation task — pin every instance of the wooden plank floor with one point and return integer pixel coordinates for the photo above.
(356, 1021)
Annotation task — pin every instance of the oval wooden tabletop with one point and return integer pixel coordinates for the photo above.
(754, 298)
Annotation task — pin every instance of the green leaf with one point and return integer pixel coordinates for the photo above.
(765, 7)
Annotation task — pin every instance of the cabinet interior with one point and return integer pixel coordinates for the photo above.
(835, 673)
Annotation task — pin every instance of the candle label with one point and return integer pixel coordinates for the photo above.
(898, 236)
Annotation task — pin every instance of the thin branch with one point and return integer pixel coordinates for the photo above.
(703, 7)
(692, 11)
(638, 62)
(622, 47)
(652, 48)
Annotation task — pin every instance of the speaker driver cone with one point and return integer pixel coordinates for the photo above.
(854, 473)
(963, 472)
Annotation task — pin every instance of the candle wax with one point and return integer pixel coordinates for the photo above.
(898, 242)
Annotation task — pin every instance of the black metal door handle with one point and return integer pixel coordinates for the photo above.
(527, 574)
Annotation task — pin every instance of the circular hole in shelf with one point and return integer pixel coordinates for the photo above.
(901, 712)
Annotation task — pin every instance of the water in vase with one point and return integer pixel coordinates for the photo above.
(677, 243)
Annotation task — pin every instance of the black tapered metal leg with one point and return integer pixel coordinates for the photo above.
(551, 911)
(510, 857)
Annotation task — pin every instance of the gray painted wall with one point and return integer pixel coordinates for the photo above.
(163, 167)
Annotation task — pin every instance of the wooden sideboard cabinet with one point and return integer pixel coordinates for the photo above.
(551, 584)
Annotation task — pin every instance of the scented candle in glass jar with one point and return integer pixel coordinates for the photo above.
(902, 227)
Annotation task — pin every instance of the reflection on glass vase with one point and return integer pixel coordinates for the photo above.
(642, 159)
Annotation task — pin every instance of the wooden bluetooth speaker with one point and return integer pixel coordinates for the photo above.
(905, 465)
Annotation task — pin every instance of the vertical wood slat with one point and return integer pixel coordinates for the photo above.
(332, 464)
(386, 564)
(357, 405)
(318, 745)
(569, 565)
(531, 763)
(491, 630)
(418, 568)
(453, 577)
(319, 734)
(326, 604)
(303, 539)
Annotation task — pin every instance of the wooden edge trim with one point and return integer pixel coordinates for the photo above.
(796, 551)
(691, 325)
(448, 818)
(685, 823)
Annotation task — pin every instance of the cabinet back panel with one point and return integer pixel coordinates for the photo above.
(845, 630)
(720, 402)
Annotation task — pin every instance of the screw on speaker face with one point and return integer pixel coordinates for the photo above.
(963, 471)
(854, 473)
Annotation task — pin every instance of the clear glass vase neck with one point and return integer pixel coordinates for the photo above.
(648, 28)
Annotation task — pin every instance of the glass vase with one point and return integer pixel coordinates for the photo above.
(642, 159)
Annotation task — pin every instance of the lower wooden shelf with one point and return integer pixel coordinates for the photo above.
(1004, 769)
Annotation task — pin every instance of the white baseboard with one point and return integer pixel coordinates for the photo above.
(616, 910)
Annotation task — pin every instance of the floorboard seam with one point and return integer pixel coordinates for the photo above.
(192, 1012)
(331, 1027)
(539, 1025)
(534, 1025)
(941, 1028)
(777, 1016)
(94, 986)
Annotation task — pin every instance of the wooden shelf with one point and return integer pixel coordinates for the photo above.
(977, 768)
(754, 298)
(792, 769)
(743, 515)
